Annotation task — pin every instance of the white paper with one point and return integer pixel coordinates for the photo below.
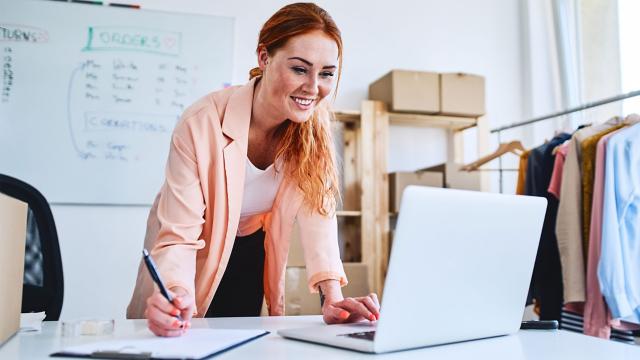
(31, 321)
(195, 344)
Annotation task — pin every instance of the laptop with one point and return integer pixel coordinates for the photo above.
(460, 268)
(13, 228)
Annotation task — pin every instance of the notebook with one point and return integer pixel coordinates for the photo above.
(195, 344)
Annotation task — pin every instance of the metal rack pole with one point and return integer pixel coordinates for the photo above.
(569, 111)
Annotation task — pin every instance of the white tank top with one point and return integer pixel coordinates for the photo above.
(260, 189)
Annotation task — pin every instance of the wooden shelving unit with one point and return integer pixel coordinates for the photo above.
(365, 180)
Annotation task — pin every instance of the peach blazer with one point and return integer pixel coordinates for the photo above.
(194, 219)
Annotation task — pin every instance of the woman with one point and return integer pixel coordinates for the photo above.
(245, 163)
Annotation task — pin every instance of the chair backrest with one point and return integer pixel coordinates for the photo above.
(46, 294)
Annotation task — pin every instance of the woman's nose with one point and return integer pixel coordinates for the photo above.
(310, 86)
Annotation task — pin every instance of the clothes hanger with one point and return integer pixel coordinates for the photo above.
(632, 119)
(514, 147)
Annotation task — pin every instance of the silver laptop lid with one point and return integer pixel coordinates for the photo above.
(460, 267)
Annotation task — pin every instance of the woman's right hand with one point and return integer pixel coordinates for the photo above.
(162, 315)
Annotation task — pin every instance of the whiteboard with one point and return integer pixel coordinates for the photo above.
(91, 94)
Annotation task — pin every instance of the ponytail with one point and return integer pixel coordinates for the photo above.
(255, 72)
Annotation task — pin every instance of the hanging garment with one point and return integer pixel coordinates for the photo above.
(546, 282)
(588, 149)
(558, 166)
(596, 313)
(569, 220)
(619, 265)
(522, 172)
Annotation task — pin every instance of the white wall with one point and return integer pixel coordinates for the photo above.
(101, 245)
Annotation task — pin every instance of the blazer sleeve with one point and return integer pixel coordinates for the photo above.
(319, 238)
(180, 213)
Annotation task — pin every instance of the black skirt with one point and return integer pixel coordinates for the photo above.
(241, 290)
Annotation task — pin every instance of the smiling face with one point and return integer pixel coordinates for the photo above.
(298, 75)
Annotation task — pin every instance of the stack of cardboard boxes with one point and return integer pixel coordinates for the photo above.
(420, 92)
(430, 93)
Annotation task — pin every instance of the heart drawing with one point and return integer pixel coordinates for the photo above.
(169, 42)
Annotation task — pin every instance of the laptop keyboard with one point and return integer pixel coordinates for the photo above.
(365, 335)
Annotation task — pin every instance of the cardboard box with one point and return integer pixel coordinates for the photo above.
(398, 181)
(298, 299)
(454, 178)
(408, 91)
(462, 95)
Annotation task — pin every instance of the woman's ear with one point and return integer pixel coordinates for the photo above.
(263, 57)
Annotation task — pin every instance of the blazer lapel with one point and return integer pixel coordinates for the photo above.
(235, 125)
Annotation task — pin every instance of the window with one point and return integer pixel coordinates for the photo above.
(628, 12)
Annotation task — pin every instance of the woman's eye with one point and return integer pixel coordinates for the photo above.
(299, 70)
(326, 74)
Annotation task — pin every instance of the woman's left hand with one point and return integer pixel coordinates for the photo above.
(351, 309)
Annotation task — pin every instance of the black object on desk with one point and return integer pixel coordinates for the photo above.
(539, 325)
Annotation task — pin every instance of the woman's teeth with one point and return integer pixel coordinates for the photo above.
(301, 101)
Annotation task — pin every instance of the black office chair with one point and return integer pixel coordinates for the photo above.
(43, 287)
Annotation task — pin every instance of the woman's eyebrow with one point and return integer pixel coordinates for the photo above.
(310, 63)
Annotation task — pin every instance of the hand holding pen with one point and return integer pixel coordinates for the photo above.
(168, 311)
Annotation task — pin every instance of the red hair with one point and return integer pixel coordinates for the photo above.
(306, 148)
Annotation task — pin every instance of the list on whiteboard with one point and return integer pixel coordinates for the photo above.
(108, 90)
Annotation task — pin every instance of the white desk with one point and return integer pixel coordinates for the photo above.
(529, 344)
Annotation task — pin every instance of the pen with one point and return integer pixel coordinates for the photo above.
(151, 266)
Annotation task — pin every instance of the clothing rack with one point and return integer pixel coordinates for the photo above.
(583, 107)
(571, 321)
